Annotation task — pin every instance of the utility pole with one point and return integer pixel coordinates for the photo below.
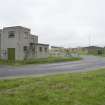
(89, 38)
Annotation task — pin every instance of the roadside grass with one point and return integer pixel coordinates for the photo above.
(50, 60)
(41, 60)
(87, 88)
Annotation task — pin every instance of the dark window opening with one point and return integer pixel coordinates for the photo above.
(26, 35)
(45, 49)
(25, 48)
(11, 34)
(40, 49)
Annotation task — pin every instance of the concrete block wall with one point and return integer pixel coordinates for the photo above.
(23, 37)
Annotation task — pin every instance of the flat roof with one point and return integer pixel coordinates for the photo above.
(56, 47)
(33, 35)
(17, 27)
(42, 44)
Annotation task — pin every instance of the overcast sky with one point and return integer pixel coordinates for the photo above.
(68, 23)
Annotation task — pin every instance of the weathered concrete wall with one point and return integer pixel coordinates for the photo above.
(57, 52)
(45, 51)
(18, 42)
(22, 38)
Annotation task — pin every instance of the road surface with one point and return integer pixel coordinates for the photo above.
(88, 63)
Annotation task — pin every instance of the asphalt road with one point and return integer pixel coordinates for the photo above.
(88, 63)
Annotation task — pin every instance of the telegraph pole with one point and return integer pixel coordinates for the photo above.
(89, 38)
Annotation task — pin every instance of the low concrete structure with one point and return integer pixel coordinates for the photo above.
(57, 51)
(93, 49)
(21, 43)
(87, 50)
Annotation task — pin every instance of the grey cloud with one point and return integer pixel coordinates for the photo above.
(58, 22)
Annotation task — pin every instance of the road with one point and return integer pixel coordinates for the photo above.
(88, 63)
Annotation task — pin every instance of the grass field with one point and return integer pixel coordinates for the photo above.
(65, 89)
(41, 60)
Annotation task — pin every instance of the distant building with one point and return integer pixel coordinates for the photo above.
(57, 51)
(17, 43)
(93, 49)
(87, 50)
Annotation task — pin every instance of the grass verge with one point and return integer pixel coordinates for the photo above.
(65, 89)
(42, 60)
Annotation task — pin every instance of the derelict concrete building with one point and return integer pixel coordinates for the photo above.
(17, 43)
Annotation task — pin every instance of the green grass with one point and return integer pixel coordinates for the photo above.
(42, 60)
(50, 60)
(65, 89)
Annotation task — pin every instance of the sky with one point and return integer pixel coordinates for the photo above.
(64, 23)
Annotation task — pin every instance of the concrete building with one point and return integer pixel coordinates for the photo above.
(57, 51)
(87, 50)
(93, 50)
(18, 43)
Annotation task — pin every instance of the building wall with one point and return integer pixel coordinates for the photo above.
(45, 51)
(23, 39)
(57, 51)
(33, 38)
(8, 42)
(18, 42)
